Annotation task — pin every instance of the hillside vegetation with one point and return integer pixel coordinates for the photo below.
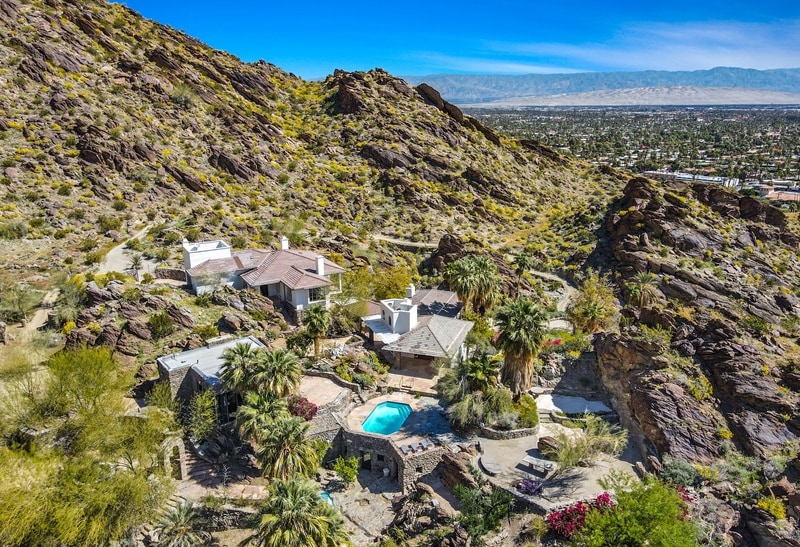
(109, 122)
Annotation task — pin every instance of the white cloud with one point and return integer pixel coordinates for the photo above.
(676, 46)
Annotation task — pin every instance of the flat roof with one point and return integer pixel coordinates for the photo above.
(206, 361)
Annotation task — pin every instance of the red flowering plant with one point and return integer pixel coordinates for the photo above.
(302, 407)
(565, 522)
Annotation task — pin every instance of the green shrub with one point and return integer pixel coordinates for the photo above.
(202, 419)
(13, 229)
(346, 468)
(598, 437)
(161, 396)
(206, 331)
(160, 325)
(647, 513)
(528, 411)
(677, 471)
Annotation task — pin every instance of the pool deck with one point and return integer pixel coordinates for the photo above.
(422, 423)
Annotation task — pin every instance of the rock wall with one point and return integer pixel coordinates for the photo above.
(170, 273)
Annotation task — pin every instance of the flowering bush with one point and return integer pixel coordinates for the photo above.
(529, 487)
(302, 407)
(565, 522)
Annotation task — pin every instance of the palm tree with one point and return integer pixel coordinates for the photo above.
(236, 371)
(474, 278)
(522, 327)
(643, 289)
(179, 527)
(487, 284)
(285, 451)
(295, 515)
(317, 320)
(136, 261)
(522, 263)
(460, 278)
(482, 371)
(276, 372)
(258, 412)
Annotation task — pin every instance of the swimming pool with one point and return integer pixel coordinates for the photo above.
(386, 418)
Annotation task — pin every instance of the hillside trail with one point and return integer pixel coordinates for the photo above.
(570, 292)
(116, 260)
(405, 242)
(563, 303)
(39, 318)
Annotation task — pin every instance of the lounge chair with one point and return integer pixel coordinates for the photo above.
(424, 444)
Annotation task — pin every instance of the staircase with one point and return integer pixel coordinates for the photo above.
(201, 471)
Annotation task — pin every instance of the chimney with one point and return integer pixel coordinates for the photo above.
(320, 265)
(284, 243)
(410, 290)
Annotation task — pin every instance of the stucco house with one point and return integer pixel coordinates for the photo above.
(418, 329)
(297, 277)
(190, 372)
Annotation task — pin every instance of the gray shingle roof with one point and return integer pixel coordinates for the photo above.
(437, 337)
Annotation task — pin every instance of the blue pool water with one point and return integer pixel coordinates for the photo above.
(386, 418)
(327, 497)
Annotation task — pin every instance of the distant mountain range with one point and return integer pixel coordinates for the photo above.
(472, 88)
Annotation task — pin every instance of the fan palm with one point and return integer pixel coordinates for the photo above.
(179, 528)
(475, 280)
(522, 263)
(643, 289)
(284, 450)
(522, 327)
(258, 412)
(237, 366)
(317, 321)
(276, 372)
(295, 515)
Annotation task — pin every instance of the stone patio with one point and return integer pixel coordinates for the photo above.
(320, 391)
(562, 489)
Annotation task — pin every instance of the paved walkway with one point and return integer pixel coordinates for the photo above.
(569, 405)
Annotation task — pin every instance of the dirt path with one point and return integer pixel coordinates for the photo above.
(39, 318)
(118, 258)
(405, 242)
(569, 291)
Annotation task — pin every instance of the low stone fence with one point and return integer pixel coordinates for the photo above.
(170, 273)
(498, 435)
(333, 377)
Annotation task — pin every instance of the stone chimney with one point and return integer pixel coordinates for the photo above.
(410, 290)
(284, 243)
(320, 265)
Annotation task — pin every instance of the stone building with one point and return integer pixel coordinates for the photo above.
(193, 371)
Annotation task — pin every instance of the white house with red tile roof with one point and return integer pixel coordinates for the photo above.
(299, 278)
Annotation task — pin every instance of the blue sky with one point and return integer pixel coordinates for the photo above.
(413, 37)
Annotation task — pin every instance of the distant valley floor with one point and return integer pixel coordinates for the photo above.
(651, 96)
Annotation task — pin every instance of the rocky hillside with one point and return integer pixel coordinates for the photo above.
(712, 359)
(110, 122)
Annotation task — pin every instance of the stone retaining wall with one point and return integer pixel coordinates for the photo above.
(333, 377)
(497, 435)
(170, 273)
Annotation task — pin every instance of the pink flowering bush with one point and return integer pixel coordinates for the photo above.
(302, 407)
(565, 522)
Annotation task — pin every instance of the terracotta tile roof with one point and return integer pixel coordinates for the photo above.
(434, 336)
(295, 268)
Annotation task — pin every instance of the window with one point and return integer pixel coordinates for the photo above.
(380, 457)
(316, 294)
(419, 470)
